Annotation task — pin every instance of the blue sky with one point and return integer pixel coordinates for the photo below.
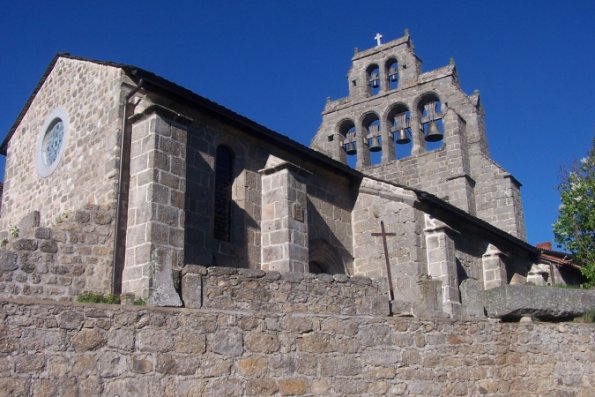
(277, 61)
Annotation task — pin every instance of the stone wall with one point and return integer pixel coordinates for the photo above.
(69, 350)
(273, 292)
(73, 256)
(87, 172)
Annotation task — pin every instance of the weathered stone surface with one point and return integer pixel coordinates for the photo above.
(88, 339)
(179, 352)
(13, 387)
(70, 319)
(29, 221)
(192, 342)
(142, 363)
(261, 387)
(515, 301)
(262, 342)
(293, 387)
(163, 292)
(43, 233)
(8, 261)
(60, 262)
(191, 289)
(25, 244)
(471, 298)
(253, 366)
(49, 246)
(228, 343)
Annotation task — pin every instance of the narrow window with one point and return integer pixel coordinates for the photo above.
(400, 120)
(223, 186)
(373, 75)
(373, 138)
(393, 74)
(349, 141)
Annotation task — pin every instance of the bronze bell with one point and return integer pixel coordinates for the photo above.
(374, 144)
(403, 137)
(434, 134)
(350, 148)
(393, 74)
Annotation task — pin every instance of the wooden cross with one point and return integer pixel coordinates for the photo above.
(384, 234)
(377, 38)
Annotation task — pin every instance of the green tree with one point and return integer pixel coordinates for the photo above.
(575, 228)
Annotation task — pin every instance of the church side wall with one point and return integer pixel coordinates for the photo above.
(92, 350)
(330, 202)
(329, 198)
(87, 171)
(243, 249)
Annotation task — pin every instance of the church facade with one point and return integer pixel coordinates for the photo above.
(398, 184)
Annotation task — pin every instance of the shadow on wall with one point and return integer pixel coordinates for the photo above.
(326, 250)
(324, 258)
(215, 234)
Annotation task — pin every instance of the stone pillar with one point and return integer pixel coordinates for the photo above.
(388, 143)
(155, 237)
(442, 264)
(417, 136)
(363, 152)
(284, 227)
(494, 271)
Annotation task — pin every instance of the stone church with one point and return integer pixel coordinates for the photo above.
(398, 186)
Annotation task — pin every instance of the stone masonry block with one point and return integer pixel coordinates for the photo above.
(191, 288)
(29, 221)
(8, 261)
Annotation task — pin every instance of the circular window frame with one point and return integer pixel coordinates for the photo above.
(59, 113)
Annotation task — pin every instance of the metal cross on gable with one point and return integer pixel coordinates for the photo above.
(378, 37)
(384, 234)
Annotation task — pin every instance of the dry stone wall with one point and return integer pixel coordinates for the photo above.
(68, 350)
(60, 262)
(274, 292)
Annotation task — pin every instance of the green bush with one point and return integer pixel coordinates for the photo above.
(90, 297)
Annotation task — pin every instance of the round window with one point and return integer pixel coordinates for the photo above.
(51, 142)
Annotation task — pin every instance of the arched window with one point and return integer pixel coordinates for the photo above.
(324, 258)
(392, 75)
(349, 143)
(430, 112)
(223, 190)
(373, 75)
(399, 118)
(373, 137)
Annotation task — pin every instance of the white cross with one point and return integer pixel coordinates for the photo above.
(377, 38)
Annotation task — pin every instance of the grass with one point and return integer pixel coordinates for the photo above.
(588, 317)
(110, 299)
